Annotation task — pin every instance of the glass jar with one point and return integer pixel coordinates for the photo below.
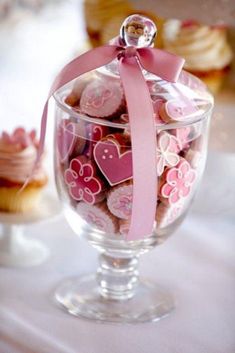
(93, 169)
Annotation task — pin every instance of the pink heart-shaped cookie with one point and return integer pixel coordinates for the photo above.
(65, 140)
(115, 166)
(71, 139)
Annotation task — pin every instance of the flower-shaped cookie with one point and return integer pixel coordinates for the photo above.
(83, 184)
(167, 148)
(178, 182)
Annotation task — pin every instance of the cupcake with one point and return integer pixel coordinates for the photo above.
(205, 49)
(99, 12)
(18, 153)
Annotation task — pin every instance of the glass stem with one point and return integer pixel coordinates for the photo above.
(117, 277)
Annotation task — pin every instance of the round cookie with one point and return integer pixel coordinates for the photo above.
(98, 216)
(102, 99)
(177, 110)
(119, 200)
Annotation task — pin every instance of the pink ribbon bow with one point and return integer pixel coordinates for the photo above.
(141, 117)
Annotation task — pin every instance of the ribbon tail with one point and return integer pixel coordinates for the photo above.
(143, 140)
(86, 62)
(161, 63)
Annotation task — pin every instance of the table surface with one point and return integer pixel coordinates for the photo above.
(197, 263)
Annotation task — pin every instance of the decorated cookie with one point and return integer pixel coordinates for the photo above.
(166, 215)
(98, 216)
(94, 133)
(70, 139)
(178, 182)
(119, 200)
(157, 103)
(167, 148)
(177, 110)
(79, 84)
(156, 88)
(102, 99)
(183, 137)
(114, 164)
(83, 183)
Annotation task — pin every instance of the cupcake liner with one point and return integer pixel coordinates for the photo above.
(15, 200)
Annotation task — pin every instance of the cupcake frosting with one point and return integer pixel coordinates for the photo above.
(204, 48)
(17, 158)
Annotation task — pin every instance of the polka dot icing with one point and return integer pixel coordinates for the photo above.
(177, 110)
(114, 165)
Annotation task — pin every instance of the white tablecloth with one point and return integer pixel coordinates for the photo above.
(196, 264)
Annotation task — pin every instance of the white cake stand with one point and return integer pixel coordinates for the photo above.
(17, 249)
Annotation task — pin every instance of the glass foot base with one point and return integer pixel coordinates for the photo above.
(80, 297)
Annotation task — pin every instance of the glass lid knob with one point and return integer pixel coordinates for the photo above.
(138, 31)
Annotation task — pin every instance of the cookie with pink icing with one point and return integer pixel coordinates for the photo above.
(114, 160)
(157, 103)
(119, 200)
(70, 139)
(182, 135)
(78, 86)
(167, 151)
(166, 215)
(98, 216)
(102, 99)
(177, 182)
(94, 132)
(177, 110)
(83, 182)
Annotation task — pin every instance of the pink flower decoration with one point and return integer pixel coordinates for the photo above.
(97, 97)
(182, 136)
(167, 148)
(96, 221)
(20, 137)
(83, 185)
(179, 182)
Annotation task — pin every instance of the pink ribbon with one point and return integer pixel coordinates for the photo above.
(141, 117)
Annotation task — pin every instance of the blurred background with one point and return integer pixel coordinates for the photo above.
(38, 37)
